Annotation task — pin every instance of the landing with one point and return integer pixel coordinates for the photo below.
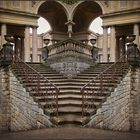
(70, 134)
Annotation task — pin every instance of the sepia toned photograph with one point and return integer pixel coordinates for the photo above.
(69, 69)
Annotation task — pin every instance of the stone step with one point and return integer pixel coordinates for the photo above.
(70, 92)
(70, 110)
(97, 87)
(68, 85)
(69, 120)
(31, 71)
(70, 96)
(98, 72)
(69, 103)
(33, 76)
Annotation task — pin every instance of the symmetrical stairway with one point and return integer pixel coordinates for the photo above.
(71, 108)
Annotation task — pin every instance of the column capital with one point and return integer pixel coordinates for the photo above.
(34, 27)
(27, 26)
(105, 27)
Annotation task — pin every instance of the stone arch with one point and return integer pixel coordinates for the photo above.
(92, 9)
(100, 3)
(55, 13)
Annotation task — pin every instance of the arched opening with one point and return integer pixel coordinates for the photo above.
(43, 26)
(85, 13)
(96, 26)
(55, 14)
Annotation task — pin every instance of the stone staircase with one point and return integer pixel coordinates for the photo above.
(70, 96)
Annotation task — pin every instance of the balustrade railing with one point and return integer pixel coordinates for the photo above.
(100, 84)
(69, 45)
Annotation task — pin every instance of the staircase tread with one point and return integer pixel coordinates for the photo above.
(70, 96)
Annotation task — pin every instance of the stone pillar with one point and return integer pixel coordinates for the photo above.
(27, 44)
(3, 32)
(112, 44)
(136, 32)
(16, 46)
(118, 52)
(105, 44)
(34, 44)
(22, 48)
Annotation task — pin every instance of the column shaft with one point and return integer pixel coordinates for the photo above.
(22, 48)
(27, 44)
(3, 32)
(34, 44)
(136, 32)
(112, 44)
(105, 44)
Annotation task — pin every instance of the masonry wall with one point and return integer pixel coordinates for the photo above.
(121, 110)
(25, 113)
(4, 100)
(135, 100)
(18, 111)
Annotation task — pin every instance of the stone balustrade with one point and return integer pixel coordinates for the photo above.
(69, 45)
(69, 57)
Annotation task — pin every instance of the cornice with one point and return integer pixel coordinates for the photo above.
(8, 11)
(130, 11)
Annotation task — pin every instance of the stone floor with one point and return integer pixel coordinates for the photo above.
(69, 133)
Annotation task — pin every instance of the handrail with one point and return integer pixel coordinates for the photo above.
(56, 89)
(37, 72)
(103, 71)
(89, 88)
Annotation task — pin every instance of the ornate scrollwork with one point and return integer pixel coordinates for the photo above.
(70, 2)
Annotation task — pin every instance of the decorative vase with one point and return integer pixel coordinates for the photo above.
(9, 38)
(130, 38)
(46, 41)
(93, 41)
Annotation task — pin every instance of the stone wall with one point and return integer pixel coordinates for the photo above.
(121, 110)
(18, 111)
(135, 100)
(25, 113)
(4, 100)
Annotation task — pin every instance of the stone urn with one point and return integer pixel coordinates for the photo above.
(9, 38)
(130, 38)
(46, 41)
(93, 41)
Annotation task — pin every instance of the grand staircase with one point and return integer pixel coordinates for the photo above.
(65, 100)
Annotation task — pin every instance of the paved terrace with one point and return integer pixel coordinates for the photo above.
(69, 133)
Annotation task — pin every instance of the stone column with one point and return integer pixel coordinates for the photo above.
(34, 44)
(3, 32)
(27, 44)
(112, 44)
(105, 44)
(136, 32)
(22, 48)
